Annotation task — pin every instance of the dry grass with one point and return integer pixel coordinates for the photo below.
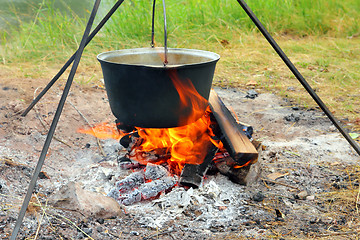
(345, 202)
(330, 65)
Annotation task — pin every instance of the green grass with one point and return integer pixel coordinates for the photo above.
(52, 33)
(320, 37)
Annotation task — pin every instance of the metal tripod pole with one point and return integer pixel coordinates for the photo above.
(54, 123)
(71, 59)
(298, 75)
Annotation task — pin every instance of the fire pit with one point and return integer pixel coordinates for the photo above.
(165, 157)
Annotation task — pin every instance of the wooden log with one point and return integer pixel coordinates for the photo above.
(235, 141)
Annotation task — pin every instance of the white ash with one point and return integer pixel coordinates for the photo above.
(142, 185)
(218, 202)
(153, 188)
(154, 171)
(111, 146)
(130, 182)
(147, 191)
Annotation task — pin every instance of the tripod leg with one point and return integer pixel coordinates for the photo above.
(71, 59)
(298, 75)
(54, 123)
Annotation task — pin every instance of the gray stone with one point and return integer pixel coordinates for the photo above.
(302, 195)
(252, 94)
(72, 197)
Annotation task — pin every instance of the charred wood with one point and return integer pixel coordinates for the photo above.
(192, 175)
(127, 139)
(240, 174)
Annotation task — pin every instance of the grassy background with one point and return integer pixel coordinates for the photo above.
(320, 37)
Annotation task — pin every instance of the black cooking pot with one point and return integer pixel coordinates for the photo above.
(140, 90)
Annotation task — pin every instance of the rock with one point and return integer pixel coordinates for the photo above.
(43, 175)
(292, 118)
(134, 233)
(72, 197)
(302, 195)
(258, 197)
(252, 94)
(310, 198)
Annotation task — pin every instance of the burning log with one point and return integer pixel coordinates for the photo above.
(232, 136)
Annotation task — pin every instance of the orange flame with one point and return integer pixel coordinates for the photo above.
(177, 146)
(185, 145)
(103, 131)
(190, 99)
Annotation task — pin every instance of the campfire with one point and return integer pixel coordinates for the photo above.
(175, 140)
(163, 158)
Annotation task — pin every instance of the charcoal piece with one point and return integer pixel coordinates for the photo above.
(148, 156)
(43, 175)
(154, 171)
(248, 130)
(133, 197)
(192, 175)
(130, 165)
(123, 159)
(227, 167)
(114, 193)
(153, 188)
(127, 139)
(292, 118)
(127, 163)
(130, 182)
(189, 176)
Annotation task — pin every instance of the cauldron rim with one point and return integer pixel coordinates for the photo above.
(209, 56)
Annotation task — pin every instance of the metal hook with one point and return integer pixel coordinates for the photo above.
(152, 26)
(165, 31)
(165, 34)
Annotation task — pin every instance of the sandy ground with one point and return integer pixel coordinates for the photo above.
(314, 166)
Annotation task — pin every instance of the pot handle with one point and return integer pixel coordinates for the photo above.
(165, 31)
